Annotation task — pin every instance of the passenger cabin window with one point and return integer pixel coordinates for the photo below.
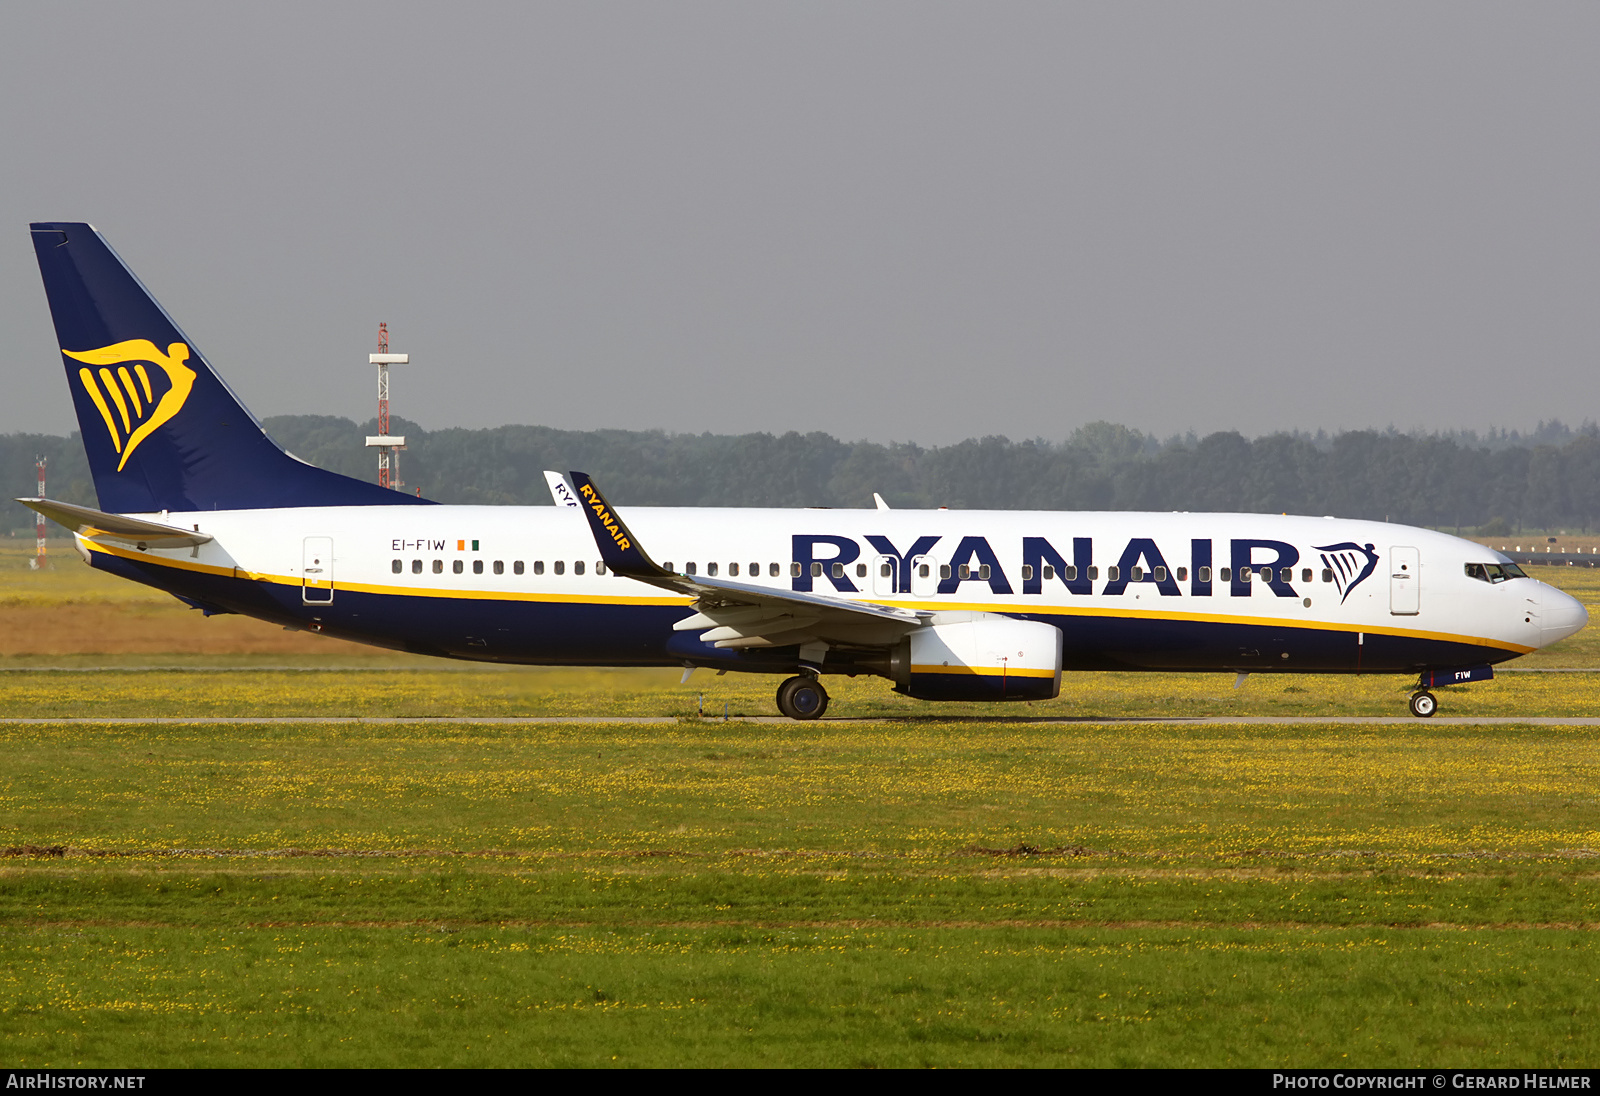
(416, 567)
(559, 566)
(1327, 574)
(477, 566)
(689, 568)
(733, 570)
(577, 566)
(983, 572)
(1160, 574)
(1183, 574)
(397, 567)
(1113, 573)
(1204, 574)
(923, 570)
(1094, 574)
(1286, 574)
(861, 570)
(438, 566)
(599, 566)
(516, 568)
(667, 566)
(538, 566)
(816, 570)
(1027, 571)
(966, 572)
(500, 567)
(1135, 574)
(1305, 574)
(944, 570)
(838, 570)
(794, 570)
(1225, 574)
(457, 566)
(885, 569)
(711, 569)
(775, 572)
(1047, 572)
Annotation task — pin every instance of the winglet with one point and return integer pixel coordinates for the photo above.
(560, 490)
(618, 547)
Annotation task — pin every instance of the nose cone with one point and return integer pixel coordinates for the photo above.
(1561, 616)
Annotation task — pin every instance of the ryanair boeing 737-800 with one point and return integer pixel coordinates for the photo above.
(196, 500)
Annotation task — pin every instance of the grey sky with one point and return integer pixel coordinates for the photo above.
(907, 221)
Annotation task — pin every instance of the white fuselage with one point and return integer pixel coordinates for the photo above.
(1136, 590)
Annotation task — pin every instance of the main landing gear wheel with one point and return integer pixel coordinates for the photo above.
(802, 697)
(1423, 704)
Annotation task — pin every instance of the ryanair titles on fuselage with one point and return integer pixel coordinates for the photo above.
(828, 558)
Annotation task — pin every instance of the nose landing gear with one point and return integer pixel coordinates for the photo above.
(802, 697)
(1424, 704)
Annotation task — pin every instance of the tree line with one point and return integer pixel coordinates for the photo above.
(1500, 482)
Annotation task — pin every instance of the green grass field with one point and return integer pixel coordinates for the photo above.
(919, 887)
(720, 894)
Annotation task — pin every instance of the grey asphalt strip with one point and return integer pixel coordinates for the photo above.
(513, 721)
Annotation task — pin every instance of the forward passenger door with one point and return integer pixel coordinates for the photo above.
(1405, 581)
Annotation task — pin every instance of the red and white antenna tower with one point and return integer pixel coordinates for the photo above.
(387, 445)
(40, 561)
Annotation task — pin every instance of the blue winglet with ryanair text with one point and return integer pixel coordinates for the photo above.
(618, 547)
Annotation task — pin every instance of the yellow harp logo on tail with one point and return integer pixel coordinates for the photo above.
(121, 388)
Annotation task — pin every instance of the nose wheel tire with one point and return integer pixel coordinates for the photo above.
(1423, 704)
(802, 697)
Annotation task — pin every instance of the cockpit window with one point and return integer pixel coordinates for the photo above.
(1494, 572)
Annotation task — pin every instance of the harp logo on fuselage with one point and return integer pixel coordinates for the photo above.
(1351, 564)
(132, 403)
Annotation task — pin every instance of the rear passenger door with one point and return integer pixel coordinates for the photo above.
(316, 571)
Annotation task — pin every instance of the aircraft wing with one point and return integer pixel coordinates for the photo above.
(741, 614)
(99, 525)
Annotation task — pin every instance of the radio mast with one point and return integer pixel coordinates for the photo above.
(387, 444)
(40, 561)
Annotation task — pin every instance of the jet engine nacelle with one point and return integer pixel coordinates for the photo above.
(984, 658)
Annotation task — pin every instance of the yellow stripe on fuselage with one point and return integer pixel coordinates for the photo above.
(367, 588)
(1209, 618)
(926, 606)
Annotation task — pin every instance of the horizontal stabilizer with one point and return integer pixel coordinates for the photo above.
(99, 525)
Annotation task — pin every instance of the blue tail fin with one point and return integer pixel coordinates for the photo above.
(162, 430)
